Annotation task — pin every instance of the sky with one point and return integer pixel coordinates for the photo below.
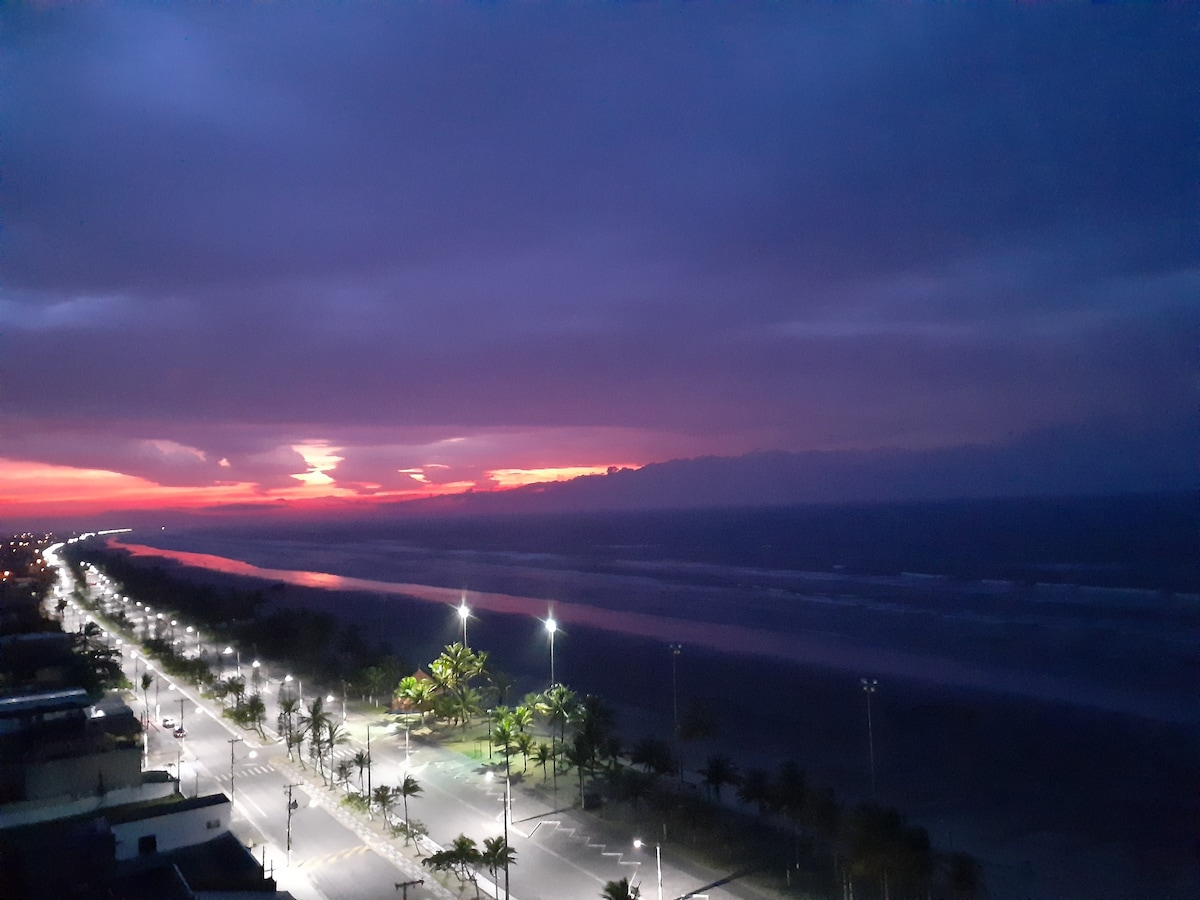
(300, 253)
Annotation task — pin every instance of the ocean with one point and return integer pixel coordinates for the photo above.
(1036, 658)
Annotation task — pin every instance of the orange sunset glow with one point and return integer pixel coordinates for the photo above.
(35, 489)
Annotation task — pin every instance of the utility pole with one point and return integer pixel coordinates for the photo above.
(368, 764)
(405, 885)
(291, 806)
(232, 741)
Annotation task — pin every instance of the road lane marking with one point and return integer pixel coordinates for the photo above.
(325, 859)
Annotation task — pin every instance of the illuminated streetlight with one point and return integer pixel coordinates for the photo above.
(229, 650)
(657, 859)
(551, 628)
(464, 613)
(300, 687)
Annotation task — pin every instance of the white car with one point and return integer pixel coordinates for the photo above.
(168, 722)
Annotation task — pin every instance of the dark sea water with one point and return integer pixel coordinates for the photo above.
(1037, 659)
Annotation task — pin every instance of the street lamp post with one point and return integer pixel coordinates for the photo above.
(676, 649)
(233, 741)
(229, 650)
(288, 679)
(657, 860)
(869, 686)
(507, 814)
(551, 628)
(464, 613)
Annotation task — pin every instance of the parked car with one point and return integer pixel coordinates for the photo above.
(168, 722)
(180, 732)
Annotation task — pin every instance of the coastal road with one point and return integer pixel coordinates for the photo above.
(328, 859)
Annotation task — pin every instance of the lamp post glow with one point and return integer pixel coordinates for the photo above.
(657, 859)
(464, 613)
(551, 628)
(229, 650)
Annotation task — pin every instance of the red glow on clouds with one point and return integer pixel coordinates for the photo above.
(40, 490)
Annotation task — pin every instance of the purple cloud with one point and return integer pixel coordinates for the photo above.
(619, 233)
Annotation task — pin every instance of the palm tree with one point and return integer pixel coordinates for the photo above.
(542, 755)
(237, 687)
(460, 857)
(653, 755)
(621, 890)
(504, 739)
(362, 760)
(497, 855)
(335, 736)
(578, 754)
(287, 722)
(147, 680)
(220, 689)
(561, 706)
(718, 771)
(417, 692)
(456, 665)
(522, 717)
(524, 743)
(343, 772)
(384, 797)
(755, 787)
(315, 722)
(375, 678)
(255, 711)
(409, 787)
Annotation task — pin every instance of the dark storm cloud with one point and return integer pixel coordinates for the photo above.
(790, 226)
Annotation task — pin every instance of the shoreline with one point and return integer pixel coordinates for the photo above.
(918, 663)
(944, 754)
